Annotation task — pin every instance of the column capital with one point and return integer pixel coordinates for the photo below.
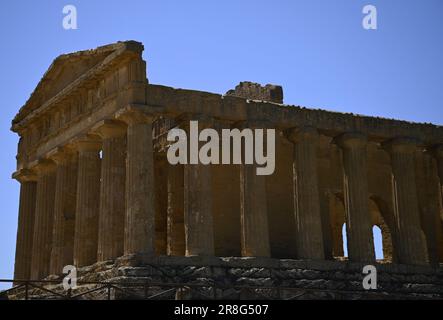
(60, 154)
(136, 114)
(351, 140)
(88, 142)
(437, 151)
(400, 145)
(42, 166)
(25, 175)
(109, 128)
(297, 134)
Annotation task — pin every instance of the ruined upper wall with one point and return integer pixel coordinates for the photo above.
(255, 91)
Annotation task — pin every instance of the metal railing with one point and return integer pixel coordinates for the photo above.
(148, 290)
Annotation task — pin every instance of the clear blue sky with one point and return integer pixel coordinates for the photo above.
(316, 49)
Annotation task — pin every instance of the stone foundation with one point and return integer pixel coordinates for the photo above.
(249, 278)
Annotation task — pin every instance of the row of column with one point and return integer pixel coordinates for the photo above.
(122, 221)
(411, 243)
(309, 236)
(108, 222)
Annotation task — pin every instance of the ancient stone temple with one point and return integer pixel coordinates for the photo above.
(97, 191)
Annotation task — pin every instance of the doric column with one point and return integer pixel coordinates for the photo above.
(23, 252)
(437, 152)
(112, 192)
(88, 200)
(253, 213)
(308, 223)
(161, 202)
(140, 211)
(176, 229)
(44, 217)
(410, 238)
(253, 210)
(199, 228)
(64, 186)
(429, 202)
(355, 184)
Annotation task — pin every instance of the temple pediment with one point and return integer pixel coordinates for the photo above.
(66, 69)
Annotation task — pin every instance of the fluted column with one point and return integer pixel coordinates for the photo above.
(253, 213)
(356, 197)
(112, 192)
(44, 217)
(253, 210)
(23, 252)
(161, 202)
(437, 152)
(88, 200)
(65, 183)
(140, 210)
(199, 228)
(309, 234)
(410, 237)
(176, 230)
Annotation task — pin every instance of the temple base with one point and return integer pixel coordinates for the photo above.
(168, 277)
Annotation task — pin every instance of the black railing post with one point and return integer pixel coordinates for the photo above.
(26, 290)
(109, 291)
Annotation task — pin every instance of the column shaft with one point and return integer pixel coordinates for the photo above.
(161, 203)
(355, 184)
(69, 211)
(87, 203)
(309, 234)
(438, 154)
(23, 253)
(112, 197)
(253, 213)
(65, 183)
(176, 229)
(410, 237)
(140, 214)
(44, 217)
(199, 229)
(198, 214)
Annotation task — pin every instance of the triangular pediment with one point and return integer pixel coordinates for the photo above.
(65, 70)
